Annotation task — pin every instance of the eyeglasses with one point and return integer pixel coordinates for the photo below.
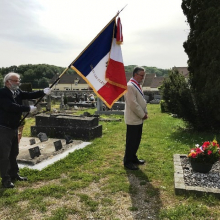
(140, 75)
(15, 80)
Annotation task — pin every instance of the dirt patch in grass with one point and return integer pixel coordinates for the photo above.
(142, 202)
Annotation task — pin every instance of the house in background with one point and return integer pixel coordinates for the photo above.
(151, 82)
(156, 83)
(147, 81)
(69, 82)
(183, 70)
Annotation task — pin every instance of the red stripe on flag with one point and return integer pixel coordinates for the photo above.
(115, 73)
(111, 93)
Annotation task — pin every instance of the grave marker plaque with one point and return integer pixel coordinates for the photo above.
(57, 145)
(34, 152)
(32, 141)
(68, 139)
(42, 136)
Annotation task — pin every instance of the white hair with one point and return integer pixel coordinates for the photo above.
(9, 75)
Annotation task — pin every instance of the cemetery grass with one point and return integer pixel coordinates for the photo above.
(92, 183)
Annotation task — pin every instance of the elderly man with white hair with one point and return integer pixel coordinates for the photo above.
(11, 109)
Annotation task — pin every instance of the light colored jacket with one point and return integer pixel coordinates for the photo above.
(135, 106)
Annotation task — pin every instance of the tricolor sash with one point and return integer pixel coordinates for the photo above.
(137, 86)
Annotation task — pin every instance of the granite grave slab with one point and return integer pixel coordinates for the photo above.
(59, 126)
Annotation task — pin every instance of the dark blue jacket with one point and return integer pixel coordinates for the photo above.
(11, 107)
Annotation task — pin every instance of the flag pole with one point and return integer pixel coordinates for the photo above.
(121, 10)
(72, 63)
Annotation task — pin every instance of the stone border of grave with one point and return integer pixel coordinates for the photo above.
(179, 184)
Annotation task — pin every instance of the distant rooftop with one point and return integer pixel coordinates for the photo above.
(182, 70)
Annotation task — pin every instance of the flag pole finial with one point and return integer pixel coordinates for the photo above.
(121, 10)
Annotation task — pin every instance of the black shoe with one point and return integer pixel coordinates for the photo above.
(19, 178)
(131, 166)
(139, 162)
(8, 184)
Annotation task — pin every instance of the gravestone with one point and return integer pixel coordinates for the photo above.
(76, 97)
(58, 125)
(34, 152)
(118, 106)
(99, 105)
(42, 136)
(87, 114)
(102, 109)
(157, 97)
(71, 99)
(58, 145)
(68, 139)
(81, 104)
(48, 106)
(62, 102)
(32, 141)
(147, 98)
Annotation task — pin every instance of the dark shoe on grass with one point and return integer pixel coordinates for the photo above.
(8, 184)
(131, 166)
(139, 162)
(18, 178)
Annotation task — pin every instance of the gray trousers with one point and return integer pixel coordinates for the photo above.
(8, 153)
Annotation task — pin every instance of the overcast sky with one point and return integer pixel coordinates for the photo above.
(56, 31)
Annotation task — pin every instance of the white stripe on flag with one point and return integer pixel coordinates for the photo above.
(116, 53)
(97, 75)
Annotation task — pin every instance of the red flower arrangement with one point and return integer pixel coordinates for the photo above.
(209, 152)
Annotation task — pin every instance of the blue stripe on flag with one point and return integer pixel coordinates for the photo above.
(96, 51)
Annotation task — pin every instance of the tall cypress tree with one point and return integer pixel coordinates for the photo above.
(203, 50)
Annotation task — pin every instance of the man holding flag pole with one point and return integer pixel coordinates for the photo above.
(11, 109)
(100, 64)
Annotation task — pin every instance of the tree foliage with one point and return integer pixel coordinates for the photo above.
(157, 71)
(1, 81)
(40, 74)
(177, 98)
(203, 50)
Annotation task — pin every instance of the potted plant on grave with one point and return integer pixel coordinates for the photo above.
(203, 157)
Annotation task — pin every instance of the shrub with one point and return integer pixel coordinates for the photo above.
(177, 97)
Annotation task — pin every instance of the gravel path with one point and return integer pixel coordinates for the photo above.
(209, 180)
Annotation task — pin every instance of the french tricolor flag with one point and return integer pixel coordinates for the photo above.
(101, 65)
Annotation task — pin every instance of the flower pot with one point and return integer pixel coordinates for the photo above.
(201, 167)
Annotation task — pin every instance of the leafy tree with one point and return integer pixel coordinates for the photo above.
(203, 50)
(5, 70)
(1, 81)
(28, 76)
(157, 71)
(34, 83)
(35, 73)
(49, 73)
(23, 68)
(177, 98)
(43, 82)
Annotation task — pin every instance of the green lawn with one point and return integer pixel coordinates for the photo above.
(92, 183)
